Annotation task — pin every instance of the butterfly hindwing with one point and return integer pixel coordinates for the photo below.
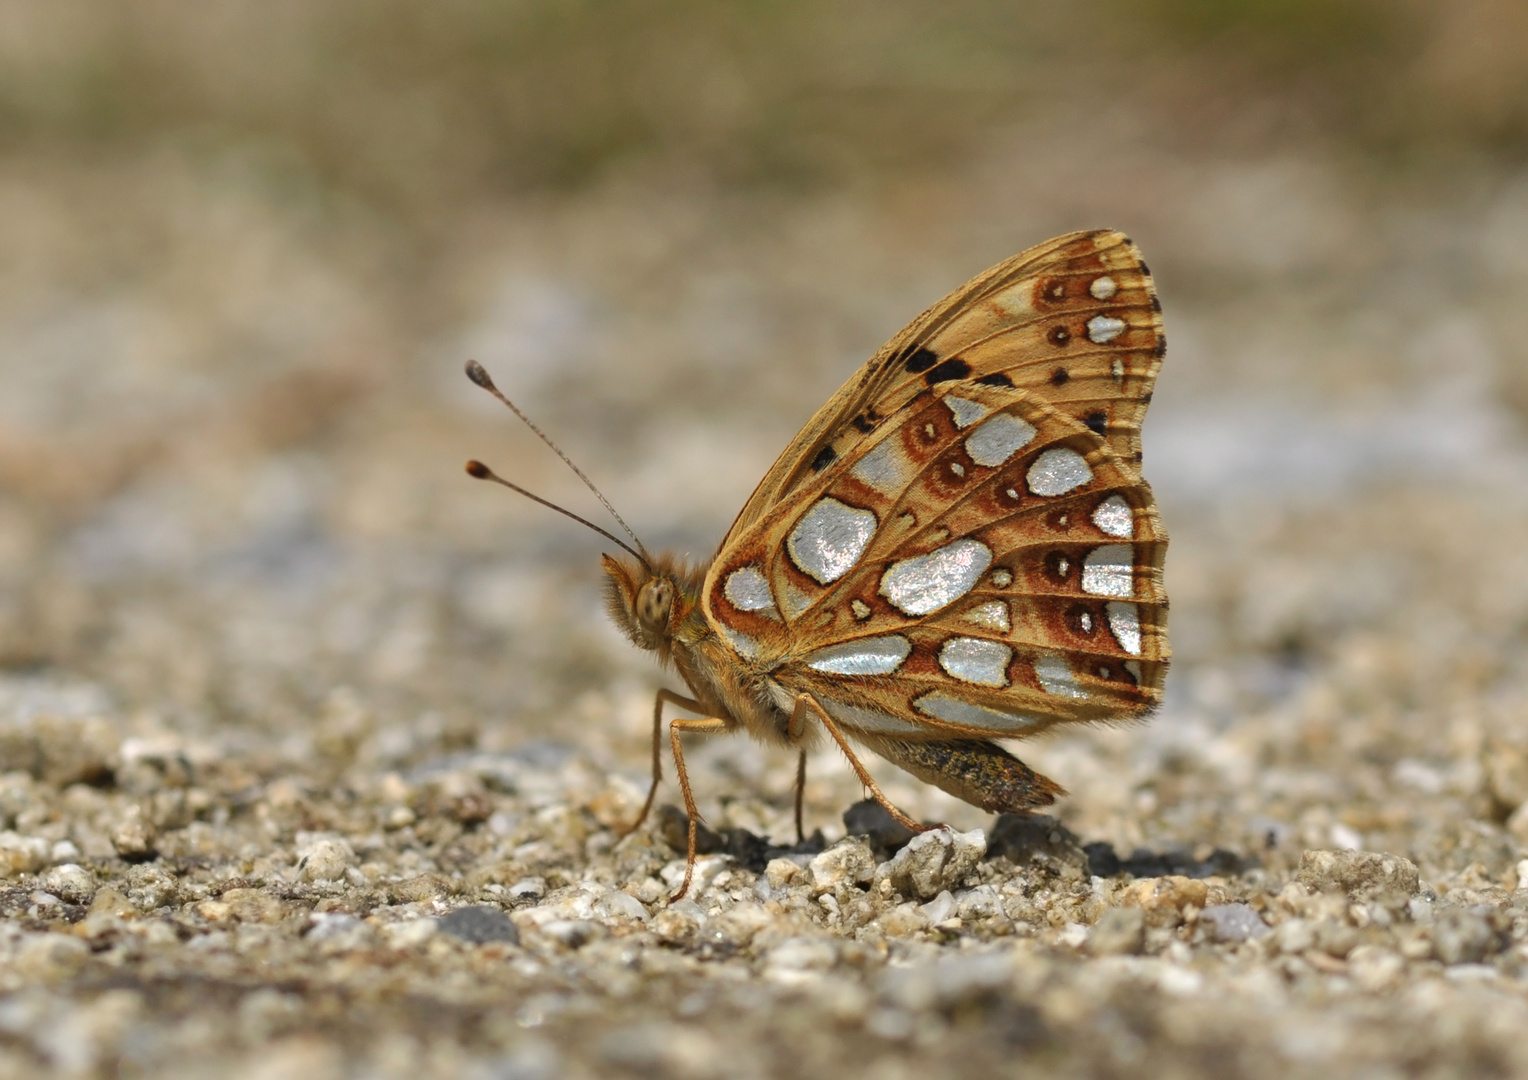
(1006, 578)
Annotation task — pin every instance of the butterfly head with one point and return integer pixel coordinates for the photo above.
(651, 602)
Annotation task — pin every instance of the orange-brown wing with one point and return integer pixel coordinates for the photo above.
(981, 558)
(1075, 319)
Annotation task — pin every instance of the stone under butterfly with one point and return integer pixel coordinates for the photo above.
(958, 547)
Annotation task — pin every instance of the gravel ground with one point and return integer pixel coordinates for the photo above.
(314, 754)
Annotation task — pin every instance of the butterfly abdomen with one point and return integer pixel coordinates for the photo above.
(973, 770)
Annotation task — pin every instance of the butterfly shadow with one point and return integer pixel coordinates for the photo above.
(1023, 839)
(1038, 838)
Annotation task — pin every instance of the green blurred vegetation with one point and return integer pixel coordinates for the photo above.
(405, 106)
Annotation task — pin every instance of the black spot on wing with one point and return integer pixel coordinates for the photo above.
(825, 457)
(950, 369)
(921, 360)
(1156, 303)
(997, 378)
(869, 420)
(1097, 421)
(1060, 376)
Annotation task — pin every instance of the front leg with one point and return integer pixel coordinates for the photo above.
(808, 707)
(709, 726)
(672, 698)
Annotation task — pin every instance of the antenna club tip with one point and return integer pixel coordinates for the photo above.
(478, 374)
(478, 470)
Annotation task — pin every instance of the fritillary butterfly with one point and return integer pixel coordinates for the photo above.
(958, 547)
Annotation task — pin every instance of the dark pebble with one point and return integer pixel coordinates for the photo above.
(480, 924)
(870, 819)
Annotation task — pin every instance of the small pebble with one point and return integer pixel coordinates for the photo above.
(528, 888)
(619, 905)
(22, 854)
(1362, 875)
(323, 858)
(480, 924)
(786, 961)
(133, 837)
(74, 883)
(410, 933)
(846, 863)
(871, 820)
(1462, 936)
(1166, 901)
(933, 862)
(1120, 931)
(572, 933)
(1233, 922)
(948, 982)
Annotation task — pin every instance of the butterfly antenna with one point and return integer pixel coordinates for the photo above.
(482, 472)
(478, 374)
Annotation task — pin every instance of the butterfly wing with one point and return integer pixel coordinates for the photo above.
(1075, 319)
(970, 550)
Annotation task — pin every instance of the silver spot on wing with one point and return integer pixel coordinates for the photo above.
(1125, 625)
(742, 644)
(1055, 676)
(998, 440)
(748, 590)
(993, 615)
(926, 583)
(1104, 328)
(1113, 516)
(966, 412)
(829, 539)
(1109, 571)
(976, 660)
(885, 468)
(792, 600)
(863, 656)
(862, 719)
(1058, 471)
(954, 711)
(1103, 288)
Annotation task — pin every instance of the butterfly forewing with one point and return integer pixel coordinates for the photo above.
(1076, 319)
(971, 548)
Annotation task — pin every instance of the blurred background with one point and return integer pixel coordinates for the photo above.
(247, 247)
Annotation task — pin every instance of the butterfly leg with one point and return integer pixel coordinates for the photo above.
(807, 704)
(709, 726)
(800, 795)
(673, 699)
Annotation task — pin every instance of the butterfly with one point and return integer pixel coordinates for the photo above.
(958, 547)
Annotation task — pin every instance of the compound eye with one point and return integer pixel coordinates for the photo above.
(654, 601)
